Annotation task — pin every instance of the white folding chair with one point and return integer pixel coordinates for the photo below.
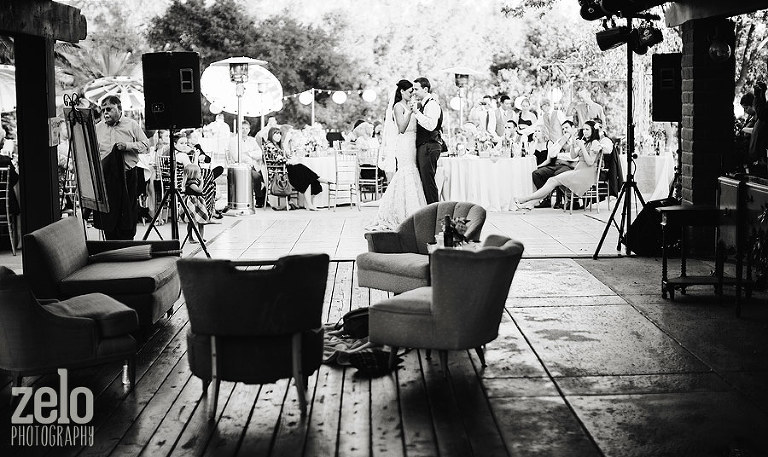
(347, 178)
(6, 218)
(593, 194)
(374, 182)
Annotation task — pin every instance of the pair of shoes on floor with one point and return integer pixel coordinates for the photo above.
(557, 205)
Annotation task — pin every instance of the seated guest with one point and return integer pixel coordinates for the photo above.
(510, 141)
(301, 177)
(526, 119)
(586, 150)
(559, 161)
(540, 145)
(252, 155)
(368, 146)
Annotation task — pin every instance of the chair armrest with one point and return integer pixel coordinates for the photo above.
(95, 247)
(60, 340)
(384, 242)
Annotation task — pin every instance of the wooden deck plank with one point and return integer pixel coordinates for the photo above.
(291, 432)
(260, 430)
(471, 398)
(329, 286)
(452, 439)
(342, 292)
(130, 408)
(324, 419)
(386, 429)
(172, 425)
(198, 430)
(354, 423)
(145, 425)
(228, 434)
(418, 433)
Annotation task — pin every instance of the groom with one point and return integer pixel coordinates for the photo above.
(429, 143)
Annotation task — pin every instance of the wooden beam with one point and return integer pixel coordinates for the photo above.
(686, 10)
(35, 93)
(43, 18)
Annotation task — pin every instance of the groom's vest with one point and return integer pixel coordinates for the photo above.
(425, 136)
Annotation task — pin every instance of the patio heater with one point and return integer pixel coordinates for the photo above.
(461, 81)
(238, 74)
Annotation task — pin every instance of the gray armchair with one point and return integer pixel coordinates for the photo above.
(462, 308)
(63, 268)
(398, 261)
(83, 331)
(255, 326)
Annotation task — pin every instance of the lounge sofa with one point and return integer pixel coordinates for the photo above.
(62, 264)
(399, 261)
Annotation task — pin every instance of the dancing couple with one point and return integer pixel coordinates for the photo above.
(412, 133)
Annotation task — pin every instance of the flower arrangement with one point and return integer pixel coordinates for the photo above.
(457, 228)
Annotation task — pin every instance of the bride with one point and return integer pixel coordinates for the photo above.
(404, 194)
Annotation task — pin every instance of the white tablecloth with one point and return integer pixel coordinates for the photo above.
(492, 184)
(653, 174)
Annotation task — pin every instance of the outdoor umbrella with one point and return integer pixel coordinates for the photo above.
(263, 92)
(7, 88)
(129, 89)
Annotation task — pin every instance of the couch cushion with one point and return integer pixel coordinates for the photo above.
(417, 301)
(404, 264)
(59, 249)
(112, 317)
(127, 254)
(121, 278)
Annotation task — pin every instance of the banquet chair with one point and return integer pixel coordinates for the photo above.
(372, 179)
(347, 177)
(83, 331)
(460, 310)
(6, 218)
(165, 179)
(398, 261)
(255, 326)
(592, 195)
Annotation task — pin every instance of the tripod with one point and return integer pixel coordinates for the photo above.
(629, 188)
(171, 197)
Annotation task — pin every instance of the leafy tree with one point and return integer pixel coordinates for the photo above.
(300, 56)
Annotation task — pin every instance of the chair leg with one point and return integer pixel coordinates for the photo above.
(12, 233)
(392, 357)
(444, 362)
(428, 354)
(214, 380)
(169, 313)
(481, 355)
(131, 367)
(298, 374)
(205, 385)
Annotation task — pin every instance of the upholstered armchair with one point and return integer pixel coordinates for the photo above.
(63, 265)
(462, 308)
(89, 330)
(398, 261)
(255, 326)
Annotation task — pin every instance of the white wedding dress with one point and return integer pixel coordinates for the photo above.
(404, 194)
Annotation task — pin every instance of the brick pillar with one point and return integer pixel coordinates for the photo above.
(708, 94)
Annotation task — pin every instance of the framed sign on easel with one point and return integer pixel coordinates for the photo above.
(84, 150)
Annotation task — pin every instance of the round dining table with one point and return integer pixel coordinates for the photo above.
(492, 182)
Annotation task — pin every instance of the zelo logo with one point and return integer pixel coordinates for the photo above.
(47, 424)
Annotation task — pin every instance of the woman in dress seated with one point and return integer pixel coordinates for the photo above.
(582, 177)
(301, 177)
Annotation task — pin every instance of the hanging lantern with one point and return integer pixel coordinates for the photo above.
(214, 108)
(455, 103)
(339, 97)
(305, 98)
(369, 95)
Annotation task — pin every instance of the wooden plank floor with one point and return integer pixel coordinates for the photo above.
(415, 412)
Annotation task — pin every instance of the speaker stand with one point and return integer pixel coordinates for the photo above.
(629, 188)
(171, 197)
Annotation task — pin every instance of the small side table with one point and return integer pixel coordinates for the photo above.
(685, 216)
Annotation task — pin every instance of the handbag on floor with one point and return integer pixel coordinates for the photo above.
(279, 185)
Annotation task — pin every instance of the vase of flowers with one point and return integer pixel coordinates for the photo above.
(454, 230)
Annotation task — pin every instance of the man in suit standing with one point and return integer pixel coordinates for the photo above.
(505, 112)
(429, 141)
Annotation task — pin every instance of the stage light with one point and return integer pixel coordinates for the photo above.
(612, 38)
(591, 10)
